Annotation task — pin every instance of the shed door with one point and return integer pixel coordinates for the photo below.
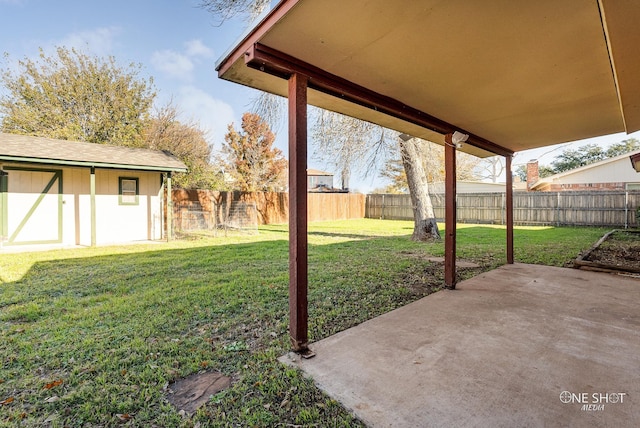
(33, 206)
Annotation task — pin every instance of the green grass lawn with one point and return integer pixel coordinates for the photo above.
(93, 337)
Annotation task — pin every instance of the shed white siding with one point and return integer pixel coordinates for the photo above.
(118, 222)
(33, 199)
(36, 216)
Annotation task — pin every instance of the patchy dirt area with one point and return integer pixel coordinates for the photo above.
(429, 277)
(188, 394)
(620, 251)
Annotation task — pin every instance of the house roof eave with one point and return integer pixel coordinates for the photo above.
(563, 174)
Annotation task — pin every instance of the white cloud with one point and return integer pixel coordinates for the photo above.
(173, 63)
(212, 114)
(196, 48)
(98, 41)
(180, 65)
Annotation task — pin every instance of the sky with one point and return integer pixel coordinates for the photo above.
(177, 43)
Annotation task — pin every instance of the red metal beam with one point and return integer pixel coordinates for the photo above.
(298, 282)
(282, 65)
(275, 15)
(509, 208)
(450, 216)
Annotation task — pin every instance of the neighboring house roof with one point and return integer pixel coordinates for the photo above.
(318, 172)
(23, 148)
(597, 172)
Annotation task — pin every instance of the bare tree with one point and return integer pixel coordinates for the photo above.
(425, 227)
(228, 9)
(347, 143)
(271, 108)
(491, 168)
(185, 140)
(433, 160)
(432, 156)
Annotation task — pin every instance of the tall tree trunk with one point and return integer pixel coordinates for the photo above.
(344, 177)
(425, 227)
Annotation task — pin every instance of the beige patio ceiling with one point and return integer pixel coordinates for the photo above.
(519, 74)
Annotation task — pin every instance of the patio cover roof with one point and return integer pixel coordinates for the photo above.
(513, 75)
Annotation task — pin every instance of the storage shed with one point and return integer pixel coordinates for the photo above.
(75, 193)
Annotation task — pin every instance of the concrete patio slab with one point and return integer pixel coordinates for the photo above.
(519, 346)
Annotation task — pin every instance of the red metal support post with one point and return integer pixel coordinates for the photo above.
(450, 213)
(298, 281)
(509, 208)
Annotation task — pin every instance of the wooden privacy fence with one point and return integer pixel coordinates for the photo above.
(580, 208)
(271, 207)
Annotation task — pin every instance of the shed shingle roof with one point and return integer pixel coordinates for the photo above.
(51, 151)
(318, 172)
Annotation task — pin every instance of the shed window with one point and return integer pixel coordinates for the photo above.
(129, 191)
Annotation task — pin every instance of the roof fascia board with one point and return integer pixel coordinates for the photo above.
(282, 65)
(280, 10)
(90, 164)
(551, 178)
(607, 38)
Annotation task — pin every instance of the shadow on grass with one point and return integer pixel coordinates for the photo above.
(115, 328)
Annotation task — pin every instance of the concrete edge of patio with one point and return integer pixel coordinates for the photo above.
(504, 349)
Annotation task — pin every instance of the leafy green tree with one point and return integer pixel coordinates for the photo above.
(72, 96)
(575, 158)
(251, 160)
(584, 155)
(544, 171)
(521, 171)
(188, 143)
(623, 147)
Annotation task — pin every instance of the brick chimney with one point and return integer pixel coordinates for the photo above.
(532, 173)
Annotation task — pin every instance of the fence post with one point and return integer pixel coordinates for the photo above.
(558, 210)
(626, 210)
